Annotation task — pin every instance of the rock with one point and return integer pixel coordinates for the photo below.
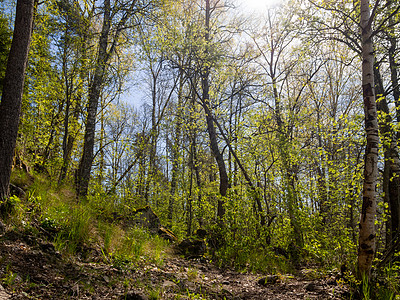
(167, 234)
(40, 168)
(169, 286)
(146, 218)
(270, 279)
(186, 285)
(3, 294)
(47, 247)
(215, 240)
(133, 296)
(191, 247)
(311, 287)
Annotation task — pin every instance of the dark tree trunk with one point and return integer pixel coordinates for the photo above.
(68, 146)
(154, 132)
(107, 47)
(194, 165)
(10, 105)
(394, 186)
(175, 151)
(393, 50)
(391, 180)
(68, 94)
(223, 175)
(85, 165)
(254, 191)
(72, 107)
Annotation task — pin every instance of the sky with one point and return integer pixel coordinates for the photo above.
(258, 5)
(137, 97)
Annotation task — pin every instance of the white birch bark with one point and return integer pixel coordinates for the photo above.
(366, 250)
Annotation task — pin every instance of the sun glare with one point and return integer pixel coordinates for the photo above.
(259, 5)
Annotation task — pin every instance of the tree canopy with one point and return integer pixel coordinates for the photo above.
(276, 132)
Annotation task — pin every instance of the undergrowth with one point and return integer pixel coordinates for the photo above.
(77, 227)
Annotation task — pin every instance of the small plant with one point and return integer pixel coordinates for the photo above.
(194, 296)
(389, 287)
(126, 283)
(9, 206)
(9, 278)
(50, 226)
(154, 294)
(192, 274)
(365, 288)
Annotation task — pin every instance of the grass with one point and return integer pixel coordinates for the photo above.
(74, 225)
(192, 274)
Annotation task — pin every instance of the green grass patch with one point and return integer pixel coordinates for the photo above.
(75, 226)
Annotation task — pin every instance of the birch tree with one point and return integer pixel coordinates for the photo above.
(367, 237)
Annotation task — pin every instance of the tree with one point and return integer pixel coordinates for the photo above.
(388, 92)
(367, 237)
(279, 69)
(11, 99)
(341, 26)
(109, 39)
(73, 52)
(5, 43)
(206, 104)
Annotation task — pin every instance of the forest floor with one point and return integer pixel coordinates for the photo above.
(31, 268)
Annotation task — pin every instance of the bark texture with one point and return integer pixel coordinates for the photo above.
(223, 175)
(107, 46)
(85, 165)
(366, 249)
(10, 105)
(391, 180)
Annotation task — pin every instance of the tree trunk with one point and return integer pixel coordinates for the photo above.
(175, 151)
(194, 164)
(394, 183)
(223, 175)
(393, 64)
(72, 107)
(256, 195)
(13, 85)
(367, 239)
(85, 165)
(289, 175)
(69, 145)
(321, 176)
(391, 180)
(154, 132)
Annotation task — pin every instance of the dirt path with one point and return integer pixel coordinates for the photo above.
(200, 278)
(32, 269)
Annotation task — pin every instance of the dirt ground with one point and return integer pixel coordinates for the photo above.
(31, 269)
